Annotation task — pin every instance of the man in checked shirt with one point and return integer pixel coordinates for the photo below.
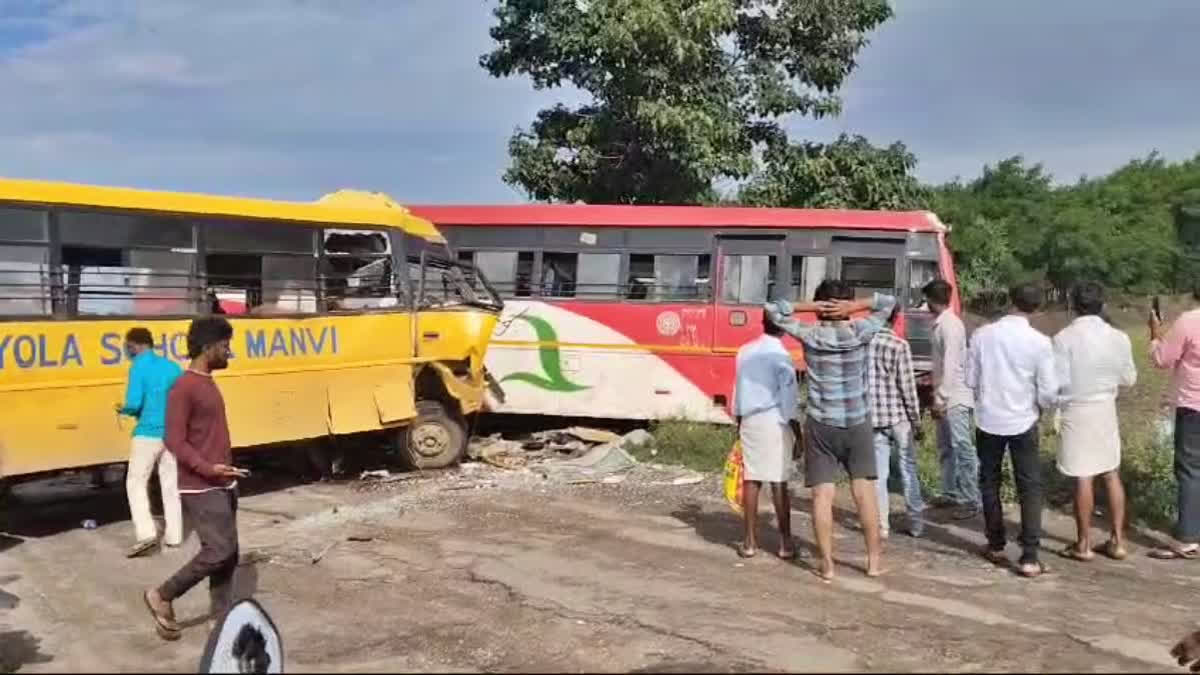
(896, 417)
(837, 426)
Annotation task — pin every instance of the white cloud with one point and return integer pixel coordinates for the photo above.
(280, 98)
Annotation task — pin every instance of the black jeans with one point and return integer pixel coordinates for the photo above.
(1187, 474)
(1027, 471)
(213, 515)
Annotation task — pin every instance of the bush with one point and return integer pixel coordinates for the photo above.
(696, 445)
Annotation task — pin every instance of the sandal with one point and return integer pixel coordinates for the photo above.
(788, 552)
(744, 552)
(1072, 552)
(995, 557)
(1173, 553)
(1032, 570)
(1111, 550)
(165, 626)
(141, 548)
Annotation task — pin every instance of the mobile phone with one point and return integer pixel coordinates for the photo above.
(1156, 308)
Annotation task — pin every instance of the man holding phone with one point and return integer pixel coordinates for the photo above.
(198, 435)
(1176, 350)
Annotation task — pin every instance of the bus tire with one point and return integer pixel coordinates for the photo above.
(436, 439)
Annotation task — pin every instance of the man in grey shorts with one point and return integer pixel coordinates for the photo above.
(837, 428)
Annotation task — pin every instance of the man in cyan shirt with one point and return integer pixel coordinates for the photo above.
(1010, 367)
(837, 427)
(198, 436)
(1179, 351)
(150, 378)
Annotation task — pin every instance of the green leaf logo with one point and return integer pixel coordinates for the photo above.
(553, 378)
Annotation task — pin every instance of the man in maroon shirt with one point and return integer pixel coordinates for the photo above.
(198, 435)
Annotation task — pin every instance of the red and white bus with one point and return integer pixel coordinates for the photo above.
(637, 312)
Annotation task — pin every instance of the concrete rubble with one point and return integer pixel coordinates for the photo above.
(557, 458)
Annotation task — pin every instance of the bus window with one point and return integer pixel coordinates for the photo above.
(584, 275)
(599, 275)
(559, 271)
(24, 265)
(747, 279)
(510, 272)
(807, 273)
(920, 272)
(669, 277)
(263, 268)
(24, 280)
(120, 264)
(868, 275)
(357, 271)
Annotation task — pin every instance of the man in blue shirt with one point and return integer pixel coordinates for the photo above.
(837, 428)
(150, 378)
(764, 403)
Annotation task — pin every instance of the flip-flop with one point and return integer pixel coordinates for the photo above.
(995, 557)
(164, 631)
(141, 548)
(788, 553)
(744, 552)
(1172, 553)
(821, 576)
(1072, 552)
(1023, 569)
(1111, 550)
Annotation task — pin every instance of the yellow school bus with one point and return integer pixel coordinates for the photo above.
(349, 316)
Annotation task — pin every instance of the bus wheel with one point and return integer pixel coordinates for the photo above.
(435, 439)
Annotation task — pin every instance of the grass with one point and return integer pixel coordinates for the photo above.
(696, 445)
(1146, 466)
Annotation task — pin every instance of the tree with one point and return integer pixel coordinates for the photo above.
(682, 92)
(847, 173)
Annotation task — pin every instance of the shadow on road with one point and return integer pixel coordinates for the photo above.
(64, 502)
(19, 648)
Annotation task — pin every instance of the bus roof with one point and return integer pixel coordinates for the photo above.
(581, 215)
(344, 207)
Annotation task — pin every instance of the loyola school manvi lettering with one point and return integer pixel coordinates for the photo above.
(40, 350)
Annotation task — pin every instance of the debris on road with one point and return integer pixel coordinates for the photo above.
(317, 558)
(600, 461)
(690, 478)
(593, 435)
(638, 438)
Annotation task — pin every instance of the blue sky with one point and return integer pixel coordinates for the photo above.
(295, 98)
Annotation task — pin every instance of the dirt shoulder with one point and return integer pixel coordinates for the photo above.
(523, 575)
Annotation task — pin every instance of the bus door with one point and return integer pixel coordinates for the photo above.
(872, 265)
(748, 274)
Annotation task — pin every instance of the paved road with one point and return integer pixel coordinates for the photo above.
(610, 578)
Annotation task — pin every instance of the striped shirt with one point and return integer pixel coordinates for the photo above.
(890, 381)
(835, 354)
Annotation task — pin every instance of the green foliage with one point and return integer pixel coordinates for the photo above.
(681, 91)
(847, 173)
(1012, 223)
(696, 445)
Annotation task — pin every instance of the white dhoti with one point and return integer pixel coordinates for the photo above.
(766, 447)
(1089, 439)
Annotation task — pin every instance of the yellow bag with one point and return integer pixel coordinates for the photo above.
(733, 477)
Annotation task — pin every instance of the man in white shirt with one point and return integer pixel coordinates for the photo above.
(1093, 360)
(1010, 368)
(953, 404)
